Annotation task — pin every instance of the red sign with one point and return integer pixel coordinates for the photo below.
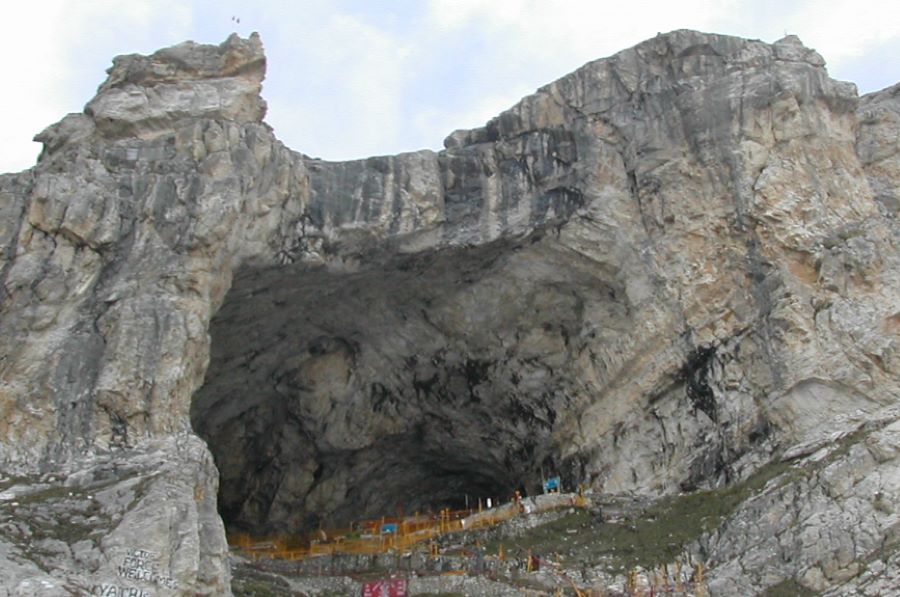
(385, 588)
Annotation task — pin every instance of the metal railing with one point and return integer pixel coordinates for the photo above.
(368, 537)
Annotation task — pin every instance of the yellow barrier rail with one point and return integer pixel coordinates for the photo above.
(368, 537)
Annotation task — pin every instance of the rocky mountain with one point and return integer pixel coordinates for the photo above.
(671, 270)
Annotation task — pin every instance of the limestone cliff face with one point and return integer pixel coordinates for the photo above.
(656, 274)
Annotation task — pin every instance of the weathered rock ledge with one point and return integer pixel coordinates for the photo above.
(657, 274)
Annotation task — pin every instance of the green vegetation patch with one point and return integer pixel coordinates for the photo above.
(648, 537)
(788, 588)
(7, 482)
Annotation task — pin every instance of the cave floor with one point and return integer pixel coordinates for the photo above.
(610, 541)
(589, 547)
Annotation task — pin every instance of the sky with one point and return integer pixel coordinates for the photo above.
(353, 78)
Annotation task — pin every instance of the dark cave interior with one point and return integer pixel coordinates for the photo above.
(405, 383)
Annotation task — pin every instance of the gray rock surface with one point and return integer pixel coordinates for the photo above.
(145, 519)
(656, 274)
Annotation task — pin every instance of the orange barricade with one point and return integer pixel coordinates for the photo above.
(368, 538)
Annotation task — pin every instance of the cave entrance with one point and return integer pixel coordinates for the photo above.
(406, 384)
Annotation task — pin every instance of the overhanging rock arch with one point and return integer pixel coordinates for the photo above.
(540, 293)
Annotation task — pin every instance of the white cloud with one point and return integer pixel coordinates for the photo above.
(32, 66)
(373, 68)
(349, 97)
(355, 78)
(563, 34)
(58, 53)
(97, 30)
(433, 124)
(523, 44)
(845, 29)
(571, 32)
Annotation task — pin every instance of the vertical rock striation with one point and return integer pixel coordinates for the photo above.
(656, 274)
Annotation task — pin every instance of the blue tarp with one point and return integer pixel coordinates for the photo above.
(389, 527)
(551, 484)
